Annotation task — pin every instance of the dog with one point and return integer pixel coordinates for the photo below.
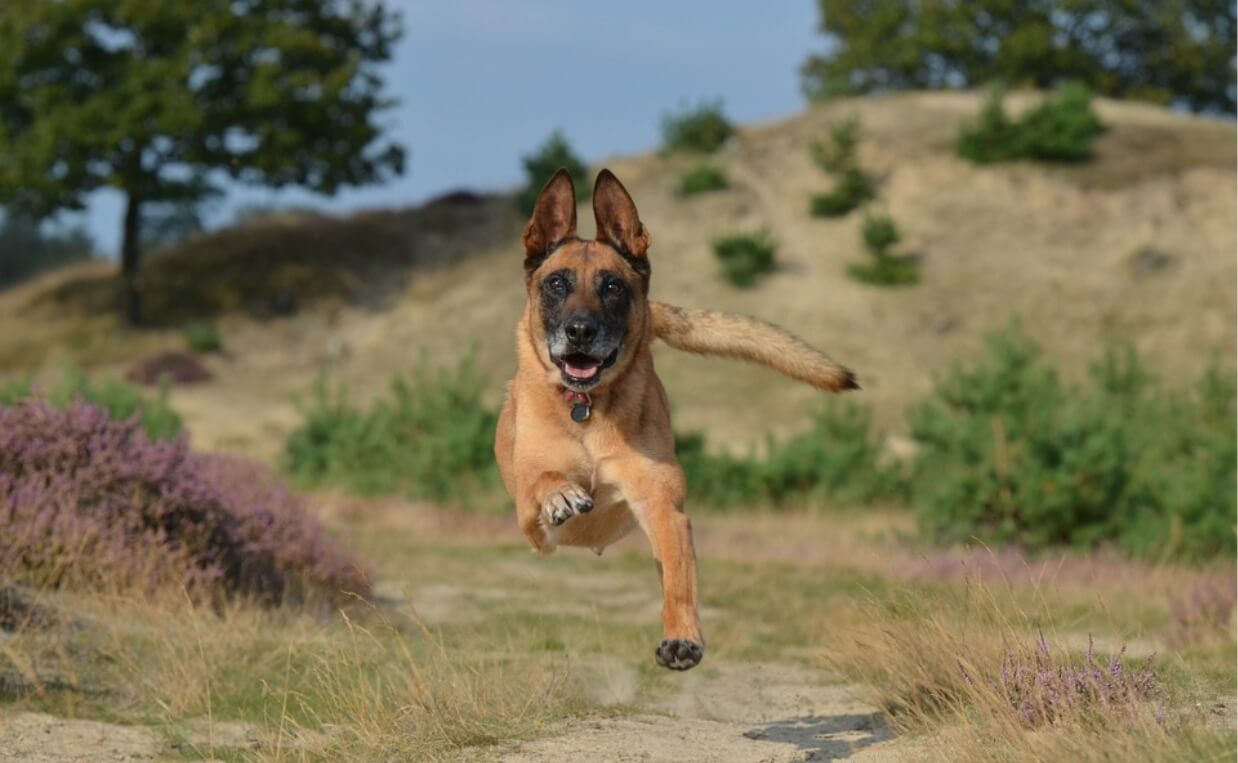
(584, 440)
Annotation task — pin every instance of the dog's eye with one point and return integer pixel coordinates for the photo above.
(614, 288)
(556, 284)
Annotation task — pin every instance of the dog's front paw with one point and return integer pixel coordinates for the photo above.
(565, 502)
(679, 653)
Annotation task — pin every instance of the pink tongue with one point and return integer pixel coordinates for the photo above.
(582, 372)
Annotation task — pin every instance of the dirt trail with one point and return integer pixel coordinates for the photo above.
(729, 713)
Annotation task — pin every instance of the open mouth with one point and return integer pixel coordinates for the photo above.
(583, 370)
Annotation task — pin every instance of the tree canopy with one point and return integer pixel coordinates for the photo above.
(1180, 52)
(163, 100)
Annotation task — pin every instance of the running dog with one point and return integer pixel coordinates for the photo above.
(584, 441)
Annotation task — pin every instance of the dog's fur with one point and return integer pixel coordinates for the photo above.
(587, 328)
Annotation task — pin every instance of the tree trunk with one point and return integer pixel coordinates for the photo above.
(131, 259)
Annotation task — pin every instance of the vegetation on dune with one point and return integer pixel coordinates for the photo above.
(556, 153)
(703, 178)
(746, 257)
(1061, 129)
(880, 234)
(121, 401)
(1171, 53)
(27, 249)
(700, 129)
(161, 102)
(433, 437)
(1009, 453)
(203, 336)
(837, 156)
(89, 501)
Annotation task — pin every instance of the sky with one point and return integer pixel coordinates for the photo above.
(482, 82)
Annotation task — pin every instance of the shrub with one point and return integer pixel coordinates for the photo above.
(702, 178)
(745, 257)
(203, 337)
(703, 129)
(552, 155)
(837, 459)
(1061, 128)
(880, 234)
(1011, 454)
(89, 501)
(432, 438)
(852, 189)
(168, 368)
(121, 401)
(837, 154)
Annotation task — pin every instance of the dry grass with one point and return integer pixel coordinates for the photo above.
(994, 672)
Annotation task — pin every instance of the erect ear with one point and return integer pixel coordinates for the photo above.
(553, 220)
(617, 220)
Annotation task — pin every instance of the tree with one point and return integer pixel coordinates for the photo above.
(1177, 51)
(26, 248)
(164, 99)
(543, 162)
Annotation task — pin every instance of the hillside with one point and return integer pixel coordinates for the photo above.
(1138, 244)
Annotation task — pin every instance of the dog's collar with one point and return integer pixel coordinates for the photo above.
(581, 404)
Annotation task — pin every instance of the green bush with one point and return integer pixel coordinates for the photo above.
(702, 178)
(837, 459)
(880, 234)
(1009, 453)
(120, 399)
(203, 337)
(702, 129)
(556, 152)
(1062, 128)
(836, 155)
(745, 257)
(852, 189)
(432, 437)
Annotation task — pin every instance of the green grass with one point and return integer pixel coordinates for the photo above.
(119, 398)
(203, 336)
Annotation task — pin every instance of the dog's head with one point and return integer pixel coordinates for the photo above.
(587, 299)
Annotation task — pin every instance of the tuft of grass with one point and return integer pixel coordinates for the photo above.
(745, 257)
(701, 129)
(703, 178)
(203, 336)
(852, 189)
(433, 437)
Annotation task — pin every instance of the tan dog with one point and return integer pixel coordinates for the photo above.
(584, 440)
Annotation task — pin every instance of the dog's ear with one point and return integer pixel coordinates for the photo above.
(617, 220)
(553, 220)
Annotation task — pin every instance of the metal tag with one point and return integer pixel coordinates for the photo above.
(580, 413)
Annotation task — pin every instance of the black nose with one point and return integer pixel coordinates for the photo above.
(581, 330)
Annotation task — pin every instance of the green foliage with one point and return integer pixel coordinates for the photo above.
(1179, 53)
(163, 101)
(203, 337)
(702, 178)
(880, 234)
(851, 190)
(1009, 453)
(432, 437)
(26, 249)
(745, 257)
(556, 152)
(120, 399)
(838, 154)
(837, 459)
(703, 129)
(1062, 128)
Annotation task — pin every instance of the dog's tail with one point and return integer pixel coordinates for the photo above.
(706, 332)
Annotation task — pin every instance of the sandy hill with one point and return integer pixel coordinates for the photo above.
(1138, 244)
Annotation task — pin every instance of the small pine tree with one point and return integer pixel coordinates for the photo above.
(556, 152)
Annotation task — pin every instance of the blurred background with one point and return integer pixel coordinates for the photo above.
(260, 267)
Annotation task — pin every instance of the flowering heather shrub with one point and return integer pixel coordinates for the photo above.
(1044, 690)
(89, 501)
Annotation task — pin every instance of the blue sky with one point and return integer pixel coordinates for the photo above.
(481, 82)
